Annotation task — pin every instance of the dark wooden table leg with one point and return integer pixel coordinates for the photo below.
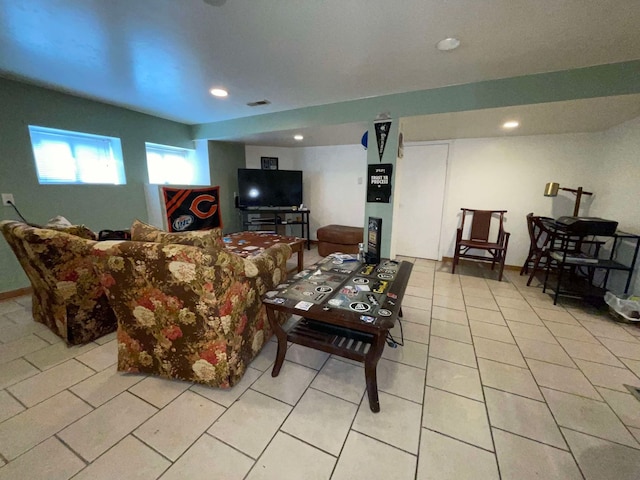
(370, 366)
(301, 257)
(282, 341)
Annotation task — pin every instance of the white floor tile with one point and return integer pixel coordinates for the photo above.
(364, 458)
(341, 379)
(226, 396)
(486, 316)
(130, 459)
(20, 347)
(508, 378)
(103, 386)
(95, 433)
(521, 316)
(101, 357)
(159, 391)
(561, 378)
(301, 460)
(15, 371)
(452, 351)
(397, 423)
(251, 422)
(589, 351)
(449, 315)
(587, 416)
(411, 353)
(454, 378)
(208, 459)
(51, 459)
(523, 416)
(499, 351)
(444, 458)
(289, 385)
(625, 405)
(306, 356)
(523, 459)
(452, 331)
(321, 420)
(411, 331)
(400, 380)
(547, 352)
(603, 460)
(56, 354)
(607, 376)
(35, 389)
(457, 417)
(9, 406)
(174, 428)
(492, 332)
(27, 429)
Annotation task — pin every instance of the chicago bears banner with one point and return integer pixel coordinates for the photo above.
(192, 208)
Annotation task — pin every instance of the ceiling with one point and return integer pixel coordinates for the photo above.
(162, 56)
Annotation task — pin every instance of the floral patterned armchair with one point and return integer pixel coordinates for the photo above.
(67, 295)
(188, 312)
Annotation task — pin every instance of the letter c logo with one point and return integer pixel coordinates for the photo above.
(195, 206)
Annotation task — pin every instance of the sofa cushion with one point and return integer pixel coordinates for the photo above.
(207, 239)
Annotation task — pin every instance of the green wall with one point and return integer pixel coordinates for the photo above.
(100, 206)
(225, 158)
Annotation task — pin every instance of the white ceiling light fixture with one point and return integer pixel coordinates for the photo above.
(298, 137)
(448, 44)
(511, 124)
(219, 92)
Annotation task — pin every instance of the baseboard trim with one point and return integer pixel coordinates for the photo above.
(15, 293)
(506, 267)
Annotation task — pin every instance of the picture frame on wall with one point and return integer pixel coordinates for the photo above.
(269, 163)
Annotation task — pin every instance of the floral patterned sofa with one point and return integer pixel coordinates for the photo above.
(186, 307)
(67, 295)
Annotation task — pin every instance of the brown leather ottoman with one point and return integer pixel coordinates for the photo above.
(339, 238)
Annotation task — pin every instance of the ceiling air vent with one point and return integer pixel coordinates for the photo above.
(259, 103)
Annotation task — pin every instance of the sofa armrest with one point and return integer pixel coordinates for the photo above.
(269, 266)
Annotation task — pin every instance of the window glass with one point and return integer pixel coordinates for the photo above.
(176, 166)
(65, 157)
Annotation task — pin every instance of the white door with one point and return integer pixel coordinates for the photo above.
(419, 191)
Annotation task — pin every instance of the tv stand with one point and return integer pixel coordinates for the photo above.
(271, 217)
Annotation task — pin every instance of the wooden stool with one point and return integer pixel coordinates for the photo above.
(339, 238)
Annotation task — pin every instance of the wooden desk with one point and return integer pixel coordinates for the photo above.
(248, 244)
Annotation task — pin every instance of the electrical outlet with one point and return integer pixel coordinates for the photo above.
(6, 198)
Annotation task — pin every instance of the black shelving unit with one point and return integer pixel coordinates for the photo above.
(575, 270)
(269, 219)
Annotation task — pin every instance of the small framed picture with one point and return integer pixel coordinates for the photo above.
(269, 163)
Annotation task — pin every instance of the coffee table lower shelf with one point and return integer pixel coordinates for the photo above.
(344, 342)
(331, 339)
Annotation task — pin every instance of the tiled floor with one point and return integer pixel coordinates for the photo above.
(493, 381)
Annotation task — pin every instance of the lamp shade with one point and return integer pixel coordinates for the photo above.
(551, 189)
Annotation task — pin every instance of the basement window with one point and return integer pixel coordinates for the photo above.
(65, 157)
(176, 166)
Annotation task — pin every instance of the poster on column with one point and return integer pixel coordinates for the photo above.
(382, 134)
(379, 185)
(192, 208)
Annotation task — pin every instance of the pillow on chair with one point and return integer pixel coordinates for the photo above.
(207, 239)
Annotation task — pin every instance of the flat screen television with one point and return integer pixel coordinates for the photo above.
(269, 188)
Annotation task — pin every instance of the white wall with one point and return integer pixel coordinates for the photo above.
(617, 188)
(286, 156)
(331, 189)
(509, 173)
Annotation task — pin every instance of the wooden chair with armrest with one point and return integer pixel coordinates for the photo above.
(479, 239)
(540, 237)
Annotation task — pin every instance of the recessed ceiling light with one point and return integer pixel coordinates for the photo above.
(511, 124)
(449, 43)
(218, 92)
(298, 137)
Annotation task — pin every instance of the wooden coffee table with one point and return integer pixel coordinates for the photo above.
(349, 311)
(248, 244)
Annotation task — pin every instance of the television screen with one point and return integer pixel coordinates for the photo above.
(269, 188)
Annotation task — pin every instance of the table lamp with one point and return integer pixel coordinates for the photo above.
(551, 190)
